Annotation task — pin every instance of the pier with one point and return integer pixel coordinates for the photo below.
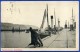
(63, 39)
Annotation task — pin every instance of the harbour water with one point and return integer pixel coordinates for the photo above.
(14, 40)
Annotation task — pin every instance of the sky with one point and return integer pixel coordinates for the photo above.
(32, 12)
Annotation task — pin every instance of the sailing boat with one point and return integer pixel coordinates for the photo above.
(41, 32)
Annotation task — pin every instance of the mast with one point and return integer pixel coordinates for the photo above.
(72, 17)
(68, 24)
(55, 17)
(47, 16)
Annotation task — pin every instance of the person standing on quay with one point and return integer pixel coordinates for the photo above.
(35, 38)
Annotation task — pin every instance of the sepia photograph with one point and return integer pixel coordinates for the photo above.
(39, 25)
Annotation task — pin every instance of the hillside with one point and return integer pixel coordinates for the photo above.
(9, 26)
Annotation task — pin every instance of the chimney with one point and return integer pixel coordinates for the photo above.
(58, 23)
(51, 21)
